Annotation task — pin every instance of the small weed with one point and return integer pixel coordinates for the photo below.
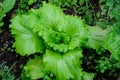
(6, 72)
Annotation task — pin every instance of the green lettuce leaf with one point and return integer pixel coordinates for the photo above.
(88, 76)
(7, 5)
(35, 68)
(65, 66)
(77, 31)
(113, 41)
(97, 37)
(26, 41)
(51, 16)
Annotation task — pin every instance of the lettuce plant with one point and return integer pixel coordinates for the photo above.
(56, 37)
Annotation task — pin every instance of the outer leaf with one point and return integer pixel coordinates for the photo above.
(24, 77)
(63, 66)
(51, 16)
(88, 76)
(113, 43)
(1, 17)
(1, 23)
(26, 41)
(35, 68)
(97, 37)
(7, 5)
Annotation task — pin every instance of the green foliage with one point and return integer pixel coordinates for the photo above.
(87, 76)
(101, 13)
(64, 2)
(35, 68)
(112, 42)
(4, 8)
(85, 9)
(104, 64)
(109, 15)
(30, 2)
(7, 7)
(26, 41)
(22, 7)
(109, 8)
(97, 37)
(107, 63)
(58, 37)
(62, 33)
(25, 5)
(6, 72)
(65, 66)
(108, 18)
(56, 31)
